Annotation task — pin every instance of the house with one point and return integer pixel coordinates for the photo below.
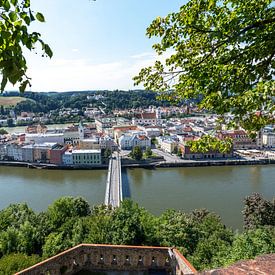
(41, 152)
(268, 139)
(188, 154)
(118, 131)
(241, 140)
(14, 152)
(36, 129)
(102, 124)
(145, 119)
(128, 141)
(56, 153)
(106, 142)
(168, 145)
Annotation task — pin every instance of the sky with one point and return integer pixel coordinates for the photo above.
(97, 45)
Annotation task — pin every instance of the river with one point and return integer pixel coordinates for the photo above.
(219, 189)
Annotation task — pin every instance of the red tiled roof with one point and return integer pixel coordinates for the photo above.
(264, 265)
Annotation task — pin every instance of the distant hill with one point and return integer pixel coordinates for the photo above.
(8, 101)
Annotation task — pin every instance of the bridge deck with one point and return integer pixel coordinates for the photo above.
(113, 194)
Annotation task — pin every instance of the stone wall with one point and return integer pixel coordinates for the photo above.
(112, 257)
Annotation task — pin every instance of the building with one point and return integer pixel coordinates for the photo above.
(102, 124)
(89, 143)
(36, 129)
(107, 142)
(56, 153)
(268, 139)
(27, 153)
(71, 135)
(118, 131)
(67, 158)
(89, 258)
(82, 157)
(168, 145)
(128, 141)
(145, 119)
(41, 152)
(188, 154)
(14, 151)
(45, 138)
(241, 140)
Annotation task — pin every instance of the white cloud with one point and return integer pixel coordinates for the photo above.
(82, 74)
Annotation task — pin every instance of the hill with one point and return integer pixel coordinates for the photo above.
(8, 101)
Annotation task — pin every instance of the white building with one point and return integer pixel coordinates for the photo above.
(14, 151)
(129, 141)
(145, 119)
(168, 145)
(268, 139)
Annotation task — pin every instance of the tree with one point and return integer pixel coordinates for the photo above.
(222, 52)
(16, 18)
(3, 132)
(208, 143)
(10, 122)
(12, 263)
(250, 244)
(148, 152)
(65, 208)
(258, 212)
(107, 153)
(126, 226)
(136, 153)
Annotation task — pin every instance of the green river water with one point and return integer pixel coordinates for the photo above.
(219, 189)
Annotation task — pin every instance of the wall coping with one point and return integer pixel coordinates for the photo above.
(110, 246)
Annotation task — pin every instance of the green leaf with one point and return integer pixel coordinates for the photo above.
(40, 17)
(13, 16)
(48, 50)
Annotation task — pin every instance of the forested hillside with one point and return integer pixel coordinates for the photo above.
(109, 100)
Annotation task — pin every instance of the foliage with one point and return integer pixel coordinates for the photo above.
(208, 143)
(199, 235)
(221, 51)
(55, 243)
(15, 215)
(258, 212)
(126, 226)
(214, 240)
(16, 18)
(12, 263)
(99, 224)
(148, 152)
(250, 244)
(136, 153)
(107, 153)
(3, 132)
(65, 208)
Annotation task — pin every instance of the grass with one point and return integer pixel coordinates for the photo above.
(8, 101)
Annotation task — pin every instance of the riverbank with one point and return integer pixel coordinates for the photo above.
(142, 164)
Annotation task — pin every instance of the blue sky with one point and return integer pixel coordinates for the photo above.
(97, 44)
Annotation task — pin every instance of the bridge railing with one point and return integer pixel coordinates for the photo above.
(119, 179)
(108, 183)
